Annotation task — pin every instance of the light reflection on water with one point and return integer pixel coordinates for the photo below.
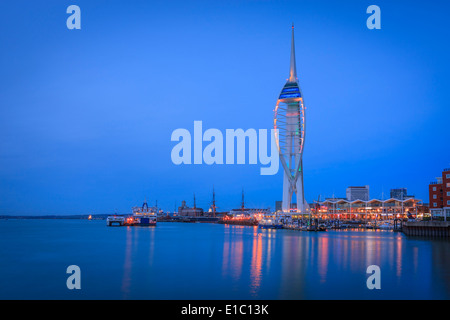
(211, 261)
(256, 264)
(126, 282)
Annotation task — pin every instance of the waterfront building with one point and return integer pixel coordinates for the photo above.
(289, 125)
(358, 193)
(279, 206)
(439, 195)
(368, 209)
(186, 211)
(251, 212)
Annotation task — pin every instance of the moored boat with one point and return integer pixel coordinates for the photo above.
(143, 216)
(386, 226)
(270, 223)
(115, 220)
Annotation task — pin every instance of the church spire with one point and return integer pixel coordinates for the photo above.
(292, 69)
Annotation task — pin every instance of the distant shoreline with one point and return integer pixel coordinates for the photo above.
(47, 217)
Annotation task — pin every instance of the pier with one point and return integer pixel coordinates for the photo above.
(436, 229)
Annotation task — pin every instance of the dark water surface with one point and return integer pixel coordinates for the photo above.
(212, 261)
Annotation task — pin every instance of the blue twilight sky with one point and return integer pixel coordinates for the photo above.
(86, 115)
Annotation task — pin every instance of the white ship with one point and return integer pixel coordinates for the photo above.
(143, 216)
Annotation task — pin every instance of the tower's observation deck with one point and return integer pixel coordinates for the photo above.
(290, 91)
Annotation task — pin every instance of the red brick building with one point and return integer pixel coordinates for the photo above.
(439, 194)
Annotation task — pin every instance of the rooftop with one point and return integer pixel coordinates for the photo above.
(368, 201)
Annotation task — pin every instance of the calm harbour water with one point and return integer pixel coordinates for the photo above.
(212, 261)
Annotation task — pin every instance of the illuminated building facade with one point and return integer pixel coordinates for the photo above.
(370, 209)
(439, 195)
(289, 125)
(249, 212)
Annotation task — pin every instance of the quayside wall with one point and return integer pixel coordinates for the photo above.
(435, 229)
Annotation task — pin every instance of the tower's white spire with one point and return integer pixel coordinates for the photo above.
(292, 69)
